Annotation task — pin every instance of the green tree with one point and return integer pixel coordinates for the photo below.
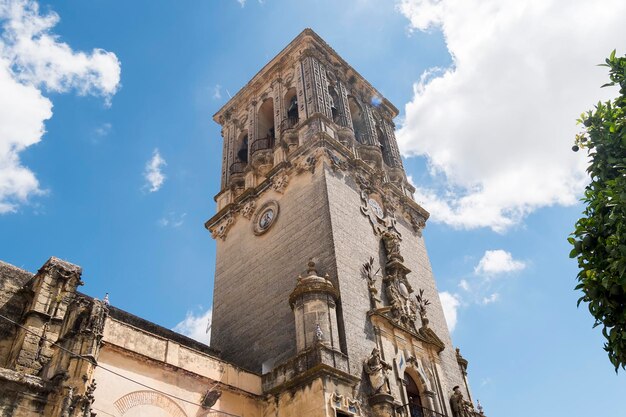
(599, 239)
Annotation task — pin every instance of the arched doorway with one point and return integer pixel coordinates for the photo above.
(414, 399)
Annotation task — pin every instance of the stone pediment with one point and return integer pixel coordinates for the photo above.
(424, 334)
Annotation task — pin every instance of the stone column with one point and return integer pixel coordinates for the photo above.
(343, 105)
(370, 125)
(279, 107)
(252, 126)
(315, 86)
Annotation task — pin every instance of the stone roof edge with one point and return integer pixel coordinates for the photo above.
(158, 330)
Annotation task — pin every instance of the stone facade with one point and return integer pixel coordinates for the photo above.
(65, 354)
(329, 164)
(324, 305)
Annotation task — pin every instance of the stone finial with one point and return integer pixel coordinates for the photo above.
(311, 267)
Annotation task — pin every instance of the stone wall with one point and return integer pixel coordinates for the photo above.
(355, 242)
(252, 320)
(12, 302)
(141, 359)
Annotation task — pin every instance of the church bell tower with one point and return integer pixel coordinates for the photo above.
(322, 282)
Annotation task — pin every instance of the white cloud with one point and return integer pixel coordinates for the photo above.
(172, 219)
(450, 304)
(217, 92)
(496, 262)
(103, 130)
(498, 125)
(242, 3)
(491, 298)
(196, 326)
(153, 172)
(33, 59)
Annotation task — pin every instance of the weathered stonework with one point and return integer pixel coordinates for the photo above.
(344, 199)
(311, 176)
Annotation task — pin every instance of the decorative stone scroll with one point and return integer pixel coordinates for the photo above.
(367, 272)
(344, 402)
(248, 209)
(280, 182)
(222, 228)
(381, 220)
(306, 164)
(336, 163)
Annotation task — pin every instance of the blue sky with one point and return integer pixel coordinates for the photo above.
(123, 177)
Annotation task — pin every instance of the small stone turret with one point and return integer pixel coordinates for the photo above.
(313, 302)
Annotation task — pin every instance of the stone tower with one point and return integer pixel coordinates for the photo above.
(311, 173)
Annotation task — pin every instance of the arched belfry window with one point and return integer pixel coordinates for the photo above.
(241, 155)
(265, 127)
(358, 124)
(414, 399)
(291, 108)
(242, 151)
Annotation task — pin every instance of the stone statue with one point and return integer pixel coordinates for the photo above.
(460, 407)
(376, 369)
(392, 245)
(456, 403)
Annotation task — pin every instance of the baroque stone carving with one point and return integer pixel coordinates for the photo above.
(279, 183)
(422, 303)
(392, 245)
(418, 222)
(307, 164)
(459, 406)
(367, 272)
(335, 162)
(248, 209)
(265, 217)
(399, 294)
(221, 230)
(381, 220)
(376, 369)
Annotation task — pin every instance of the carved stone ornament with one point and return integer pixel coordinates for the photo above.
(368, 273)
(265, 217)
(248, 209)
(307, 164)
(401, 299)
(459, 406)
(363, 182)
(221, 229)
(417, 221)
(335, 162)
(340, 401)
(376, 369)
(280, 183)
(380, 219)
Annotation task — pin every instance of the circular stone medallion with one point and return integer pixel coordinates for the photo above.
(376, 208)
(265, 217)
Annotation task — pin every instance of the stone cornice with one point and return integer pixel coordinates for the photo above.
(319, 146)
